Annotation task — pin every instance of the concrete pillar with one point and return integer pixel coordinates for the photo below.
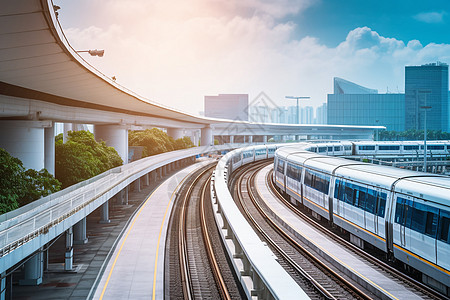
(207, 136)
(176, 133)
(67, 128)
(115, 136)
(125, 195)
(265, 139)
(147, 179)
(137, 185)
(250, 139)
(231, 139)
(33, 270)
(104, 213)
(68, 256)
(49, 148)
(25, 141)
(79, 232)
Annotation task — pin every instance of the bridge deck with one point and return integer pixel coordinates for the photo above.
(136, 268)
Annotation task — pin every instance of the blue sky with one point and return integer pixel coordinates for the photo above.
(176, 52)
(330, 20)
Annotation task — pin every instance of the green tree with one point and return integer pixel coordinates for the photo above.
(82, 157)
(19, 187)
(156, 141)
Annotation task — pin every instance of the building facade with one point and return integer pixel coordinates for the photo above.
(427, 86)
(227, 106)
(352, 104)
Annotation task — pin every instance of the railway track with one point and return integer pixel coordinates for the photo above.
(317, 279)
(423, 291)
(201, 268)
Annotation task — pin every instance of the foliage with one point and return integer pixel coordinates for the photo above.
(156, 141)
(82, 157)
(412, 135)
(216, 142)
(19, 186)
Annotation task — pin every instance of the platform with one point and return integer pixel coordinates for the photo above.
(353, 265)
(136, 268)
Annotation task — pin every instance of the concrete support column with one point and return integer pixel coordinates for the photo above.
(49, 148)
(33, 270)
(104, 213)
(264, 139)
(125, 195)
(147, 179)
(67, 128)
(250, 139)
(79, 232)
(137, 185)
(115, 136)
(231, 139)
(207, 136)
(176, 133)
(68, 256)
(25, 140)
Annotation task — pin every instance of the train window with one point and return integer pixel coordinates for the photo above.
(322, 149)
(403, 212)
(381, 204)
(409, 147)
(444, 226)
(366, 147)
(293, 171)
(330, 149)
(348, 193)
(362, 197)
(236, 158)
(317, 181)
(432, 222)
(371, 204)
(347, 148)
(435, 147)
(388, 147)
(338, 189)
(280, 166)
(337, 148)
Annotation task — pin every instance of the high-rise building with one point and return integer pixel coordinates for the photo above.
(227, 106)
(352, 104)
(321, 114)
(427, 85)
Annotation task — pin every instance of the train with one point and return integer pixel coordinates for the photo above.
(403, 213)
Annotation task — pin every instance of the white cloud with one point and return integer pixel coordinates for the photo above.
(431, 17)
(177, 56)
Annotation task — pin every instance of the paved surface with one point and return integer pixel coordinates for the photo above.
(136, 269)
(88, 258)
(354, 265)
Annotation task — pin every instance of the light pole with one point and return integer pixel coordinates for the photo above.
(294, 97)
(95, 52)
(425, 107)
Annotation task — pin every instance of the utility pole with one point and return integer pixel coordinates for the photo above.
(295, 97)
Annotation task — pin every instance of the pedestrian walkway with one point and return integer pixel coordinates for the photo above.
(136, 269)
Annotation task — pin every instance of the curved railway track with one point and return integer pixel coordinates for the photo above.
(202, 268)
(316, 278)
(419, 288)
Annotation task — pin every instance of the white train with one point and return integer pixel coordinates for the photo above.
(404, 213)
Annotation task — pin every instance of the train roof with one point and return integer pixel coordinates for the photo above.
(432, 188)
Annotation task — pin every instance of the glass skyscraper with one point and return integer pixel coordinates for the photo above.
(427, 85)
(352, 104)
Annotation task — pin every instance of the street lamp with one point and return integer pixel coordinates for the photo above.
(293, 97)
(94, 52)
(425, 107)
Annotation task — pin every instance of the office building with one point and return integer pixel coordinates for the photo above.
(352, 104)
(227, 106)
(427, 85)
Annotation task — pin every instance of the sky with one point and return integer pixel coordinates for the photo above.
(176, 52)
